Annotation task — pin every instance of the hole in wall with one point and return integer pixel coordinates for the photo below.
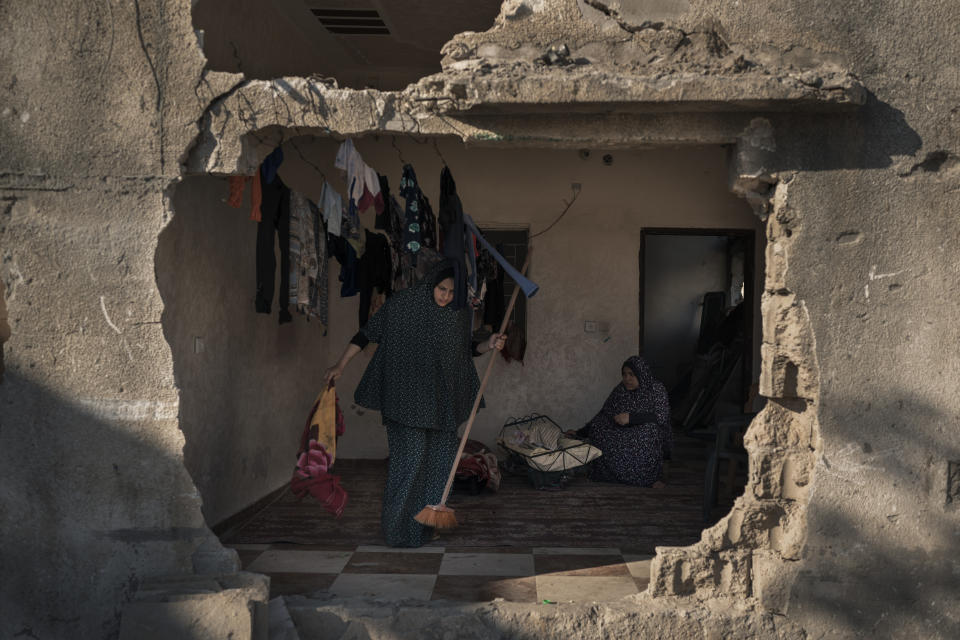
(247, 381)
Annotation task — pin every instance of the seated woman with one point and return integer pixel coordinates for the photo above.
(632, 429)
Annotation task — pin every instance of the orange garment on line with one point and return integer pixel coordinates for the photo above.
(256, 197)
(237, 185)
(235, 199)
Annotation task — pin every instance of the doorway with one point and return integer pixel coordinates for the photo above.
(697, 289)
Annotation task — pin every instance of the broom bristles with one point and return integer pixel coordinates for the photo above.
(438, 516)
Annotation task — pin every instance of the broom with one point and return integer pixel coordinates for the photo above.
(440, 516)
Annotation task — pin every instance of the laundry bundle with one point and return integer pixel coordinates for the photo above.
(318, 450)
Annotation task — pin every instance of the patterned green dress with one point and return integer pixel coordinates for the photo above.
(423, 381)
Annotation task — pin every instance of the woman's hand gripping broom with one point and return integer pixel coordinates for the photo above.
(440, 516)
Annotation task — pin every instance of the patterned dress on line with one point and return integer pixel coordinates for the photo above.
(633, 454)
(423, 381)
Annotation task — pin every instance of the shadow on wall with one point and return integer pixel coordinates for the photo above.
(881, 555)
(868, 138)
(246, 382)
(4, 325)
(93, 500)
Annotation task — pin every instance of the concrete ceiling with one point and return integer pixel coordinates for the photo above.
(267, 39)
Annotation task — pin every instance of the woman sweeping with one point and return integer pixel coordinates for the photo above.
(632, 429)
(423, 382)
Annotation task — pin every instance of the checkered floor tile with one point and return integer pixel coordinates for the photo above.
(467, 574)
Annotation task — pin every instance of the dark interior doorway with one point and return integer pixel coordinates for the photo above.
(697, 288)
(697, 312)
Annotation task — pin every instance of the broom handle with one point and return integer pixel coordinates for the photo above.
(483, 384)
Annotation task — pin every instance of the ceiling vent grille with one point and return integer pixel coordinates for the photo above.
(359, 22)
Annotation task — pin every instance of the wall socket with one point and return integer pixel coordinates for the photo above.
(594, 326)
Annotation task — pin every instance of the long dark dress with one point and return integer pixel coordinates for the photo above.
(423, 381)
(633, 454)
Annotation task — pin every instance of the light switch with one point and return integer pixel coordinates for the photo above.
(590, 326)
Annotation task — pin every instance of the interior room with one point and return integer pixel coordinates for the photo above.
(248, 381)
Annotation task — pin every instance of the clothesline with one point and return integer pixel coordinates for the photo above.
(406, 239)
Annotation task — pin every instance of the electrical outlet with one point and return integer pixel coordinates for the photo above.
(603, 327)
(590, 326)
(198, 345)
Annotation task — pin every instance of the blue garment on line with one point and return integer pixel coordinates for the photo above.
(268, 170)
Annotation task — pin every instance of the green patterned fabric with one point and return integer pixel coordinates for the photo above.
(422, 373)
(420, 461)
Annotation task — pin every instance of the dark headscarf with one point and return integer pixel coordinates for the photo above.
(421, 374)
(648, 397)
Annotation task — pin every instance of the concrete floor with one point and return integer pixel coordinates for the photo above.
(588, 542)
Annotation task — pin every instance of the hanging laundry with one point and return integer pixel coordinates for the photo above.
(383, 220)
(345, 254)
(351, 229)
(370, 199)
(373, 273)
(298, 207)
(428, 223)
(410, 192)
(331, 203)
(308, 275)
(268, 169)
(473, 281)
(516, 345)
(301, 225)
(493, 301)
(256, 198)
(454, 243)
(360, 177)
(237, 185)
(319, 302)
(275, 222)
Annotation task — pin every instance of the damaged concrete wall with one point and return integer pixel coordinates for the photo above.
(847, 527)
(857, 276)
(99, 104)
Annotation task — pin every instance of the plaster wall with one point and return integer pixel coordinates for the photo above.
(246, 383)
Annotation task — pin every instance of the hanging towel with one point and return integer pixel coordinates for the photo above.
(359, 175)
(331, 203)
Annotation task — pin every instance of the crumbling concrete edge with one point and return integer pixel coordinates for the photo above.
(754, 551)
(631, 617)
